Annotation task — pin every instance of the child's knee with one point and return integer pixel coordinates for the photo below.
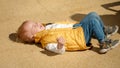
(94, 21)
(93, 14)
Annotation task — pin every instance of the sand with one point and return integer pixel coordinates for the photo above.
(19, 55)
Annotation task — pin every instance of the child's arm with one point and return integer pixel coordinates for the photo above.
(61, 42)
(53, 48)
(57, 47)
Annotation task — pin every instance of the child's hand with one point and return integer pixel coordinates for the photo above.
(61, 42)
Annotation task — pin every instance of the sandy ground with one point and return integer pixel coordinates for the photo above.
(19, 55)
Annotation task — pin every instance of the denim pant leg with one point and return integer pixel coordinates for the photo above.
(89, 16)
(92, 24)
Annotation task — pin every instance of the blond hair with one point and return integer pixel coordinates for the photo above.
(21, 33)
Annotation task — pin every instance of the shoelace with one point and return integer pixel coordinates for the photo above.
(108, 43)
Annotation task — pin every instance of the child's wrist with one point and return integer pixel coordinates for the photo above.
(60, 46)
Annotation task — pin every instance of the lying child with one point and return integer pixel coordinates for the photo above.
(60, 37)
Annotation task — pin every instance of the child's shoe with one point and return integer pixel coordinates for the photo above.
(110, 30)
(89, 46)
(108, 45)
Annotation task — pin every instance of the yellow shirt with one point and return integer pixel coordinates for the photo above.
(74, 37)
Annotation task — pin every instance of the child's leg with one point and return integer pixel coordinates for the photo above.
(108, 30)
(88, 17)
(92, 24)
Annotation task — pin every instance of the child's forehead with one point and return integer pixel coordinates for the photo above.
(28, 26)
(29, 23)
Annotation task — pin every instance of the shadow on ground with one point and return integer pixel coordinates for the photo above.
(13, 37)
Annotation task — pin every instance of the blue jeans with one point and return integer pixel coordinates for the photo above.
(92, 25)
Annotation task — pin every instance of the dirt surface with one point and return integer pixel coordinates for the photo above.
(20, 55)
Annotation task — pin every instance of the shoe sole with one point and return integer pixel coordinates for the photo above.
(113, 32)
(103, 51)
(116, 45)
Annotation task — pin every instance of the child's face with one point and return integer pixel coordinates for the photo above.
(32, 28)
